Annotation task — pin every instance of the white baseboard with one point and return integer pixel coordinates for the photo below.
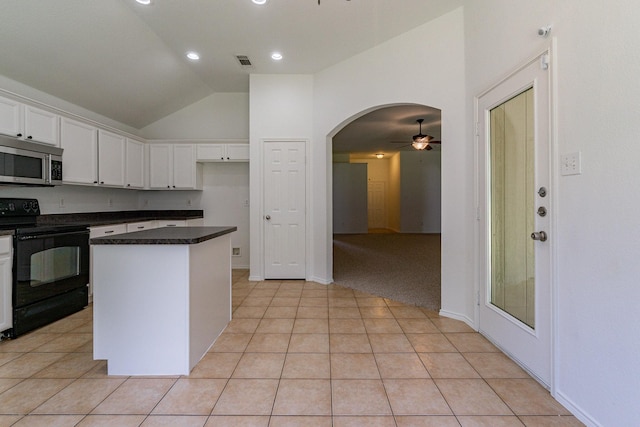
(320, 280)
(575, 410)
(460, 317)
(256, 278)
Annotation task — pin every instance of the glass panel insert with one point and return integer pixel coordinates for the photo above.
(512, 207)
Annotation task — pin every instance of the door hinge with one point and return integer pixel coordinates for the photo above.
(478, 298)
(544, 61)
(477, 213)
(477, 128)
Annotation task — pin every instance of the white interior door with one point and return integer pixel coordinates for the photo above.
(284, 210)
(514, 183)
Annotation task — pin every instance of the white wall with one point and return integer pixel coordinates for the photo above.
(420, 189)
(350, 213)
(401, 71)
(394, 193)
(596, 235)
(281, 108)
(218, 116)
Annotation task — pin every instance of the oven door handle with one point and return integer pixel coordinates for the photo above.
(46, 235)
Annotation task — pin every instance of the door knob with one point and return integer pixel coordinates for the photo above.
(268, 217)
(539, 235)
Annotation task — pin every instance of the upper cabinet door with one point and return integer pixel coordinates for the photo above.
(160, 166)
(184, 166)
(238, 152)
(111, 152)
(134, 176)
(210, 152)
(41, 126)
(80, 156)
(10, 117)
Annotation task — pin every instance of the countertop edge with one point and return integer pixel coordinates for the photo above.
(166, 236)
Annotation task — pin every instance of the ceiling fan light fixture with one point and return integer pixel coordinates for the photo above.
(420, 144)
(420, 141)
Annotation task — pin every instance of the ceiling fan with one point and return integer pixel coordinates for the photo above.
(420, 141)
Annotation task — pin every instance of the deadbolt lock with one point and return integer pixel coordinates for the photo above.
(542, 211)
(542, 192)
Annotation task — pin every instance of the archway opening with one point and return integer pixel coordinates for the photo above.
(386, 199)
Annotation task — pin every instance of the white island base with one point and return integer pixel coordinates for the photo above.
(158, 308)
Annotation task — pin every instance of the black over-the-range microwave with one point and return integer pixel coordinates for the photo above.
(29, 163)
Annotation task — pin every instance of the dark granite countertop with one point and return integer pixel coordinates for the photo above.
(165, 236)
(93, 219)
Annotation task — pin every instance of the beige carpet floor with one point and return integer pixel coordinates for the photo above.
(402, 267)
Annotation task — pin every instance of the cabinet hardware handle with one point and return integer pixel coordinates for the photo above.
(29, 137)
(19, 135)
(95, 182)
(108, 232)
(128, 185)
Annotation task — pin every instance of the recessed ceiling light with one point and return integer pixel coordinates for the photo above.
(145, 2)
(276, 56)
(193, 56)
(259, 1)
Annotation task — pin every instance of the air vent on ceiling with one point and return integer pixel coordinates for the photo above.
(244, 61)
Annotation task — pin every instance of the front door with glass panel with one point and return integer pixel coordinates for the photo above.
(514, 194)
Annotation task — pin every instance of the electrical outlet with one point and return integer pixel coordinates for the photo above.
(188, 202)
(246, 203)
(570, 164)
(61, 202)
(110, 202)
(235, 251)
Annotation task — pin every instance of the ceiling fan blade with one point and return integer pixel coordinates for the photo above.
(435, 142)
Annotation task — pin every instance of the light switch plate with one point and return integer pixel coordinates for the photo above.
(570, 164)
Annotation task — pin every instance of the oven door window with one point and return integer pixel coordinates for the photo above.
(55, 264)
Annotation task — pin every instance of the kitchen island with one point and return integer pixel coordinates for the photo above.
(161, 298)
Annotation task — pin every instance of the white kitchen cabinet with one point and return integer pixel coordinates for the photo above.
(173, 167)
(111, 159)
(29, 123)
(41, 126)
(171, 223)
(222, 153)
(80, 156)
(139, 226)
(10, 117)
(134, 163)
(6, 315)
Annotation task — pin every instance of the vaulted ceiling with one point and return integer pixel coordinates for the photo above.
(127, 61)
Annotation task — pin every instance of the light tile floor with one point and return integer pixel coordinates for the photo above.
(296, 354)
